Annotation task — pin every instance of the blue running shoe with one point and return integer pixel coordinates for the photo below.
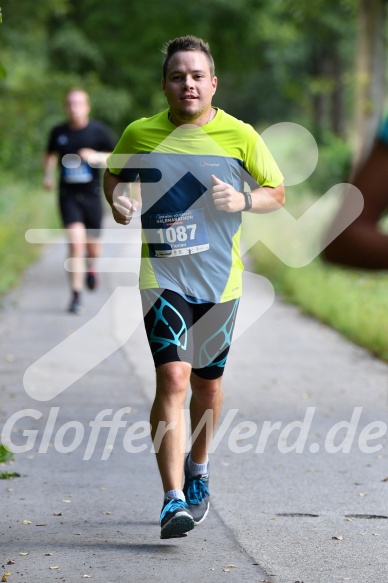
(196, 491)
(175, 518)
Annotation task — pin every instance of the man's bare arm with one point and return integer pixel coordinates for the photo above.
(49, 166)
(116, 191)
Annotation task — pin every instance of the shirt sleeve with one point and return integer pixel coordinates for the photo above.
(260, 163)
(117, 162)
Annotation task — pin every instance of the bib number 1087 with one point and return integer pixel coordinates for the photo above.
(180, 233)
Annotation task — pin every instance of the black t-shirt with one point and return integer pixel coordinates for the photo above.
(65, 141)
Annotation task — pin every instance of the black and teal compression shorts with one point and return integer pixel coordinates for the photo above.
(178, 330)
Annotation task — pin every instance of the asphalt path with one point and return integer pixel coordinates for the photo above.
(299, 488)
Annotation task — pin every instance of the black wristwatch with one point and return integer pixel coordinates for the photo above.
(248, 201)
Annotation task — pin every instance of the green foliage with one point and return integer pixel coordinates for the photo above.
(9, 475)
(28, 207)
(333, 165)
(3, 73)
(264, 61)
(71, 50)
(5, 454)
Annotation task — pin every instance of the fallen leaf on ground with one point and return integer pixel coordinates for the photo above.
(23, 554)
(11, 562)
(232, 566)
(54, 567)
(362, 494)
(26, 521)
(87, 576)
(48, 555)
(4, 578)
(41, 524)
(57, 513)
(67, 501)
(337, 537)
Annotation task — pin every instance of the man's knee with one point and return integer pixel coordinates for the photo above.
(205, 389)
(172, 379)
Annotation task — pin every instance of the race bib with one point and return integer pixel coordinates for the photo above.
(175, 234)
(79, 175)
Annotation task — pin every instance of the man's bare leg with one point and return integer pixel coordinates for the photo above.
(206, 400)
(205, 407)
(172, 380)
(169, 436)
(93, 252)
(76, 234)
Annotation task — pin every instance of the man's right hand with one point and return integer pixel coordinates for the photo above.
(123, 209)
(48, 183)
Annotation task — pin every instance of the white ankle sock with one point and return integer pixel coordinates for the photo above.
(175, 494)
(197, 469)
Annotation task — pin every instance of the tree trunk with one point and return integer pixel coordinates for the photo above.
(370, 76)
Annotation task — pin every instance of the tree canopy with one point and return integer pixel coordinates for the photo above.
(277, 61)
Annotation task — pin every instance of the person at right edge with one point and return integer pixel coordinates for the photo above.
(363, 244)
(192, 161)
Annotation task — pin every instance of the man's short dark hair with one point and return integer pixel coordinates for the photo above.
(187, 43)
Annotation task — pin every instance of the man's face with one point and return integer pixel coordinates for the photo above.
(77, 107)
(189, 86)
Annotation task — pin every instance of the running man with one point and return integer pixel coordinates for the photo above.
(71, 146)
(192, 160)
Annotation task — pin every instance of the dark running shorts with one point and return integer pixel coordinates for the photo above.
(178, 330)
(81, 207)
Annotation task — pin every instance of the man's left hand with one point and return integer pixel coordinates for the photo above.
(225, 197)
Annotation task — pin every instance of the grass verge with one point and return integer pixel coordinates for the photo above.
(353, 302)
(22, 206)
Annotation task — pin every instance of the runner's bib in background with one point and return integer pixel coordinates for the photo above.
(82, 174)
